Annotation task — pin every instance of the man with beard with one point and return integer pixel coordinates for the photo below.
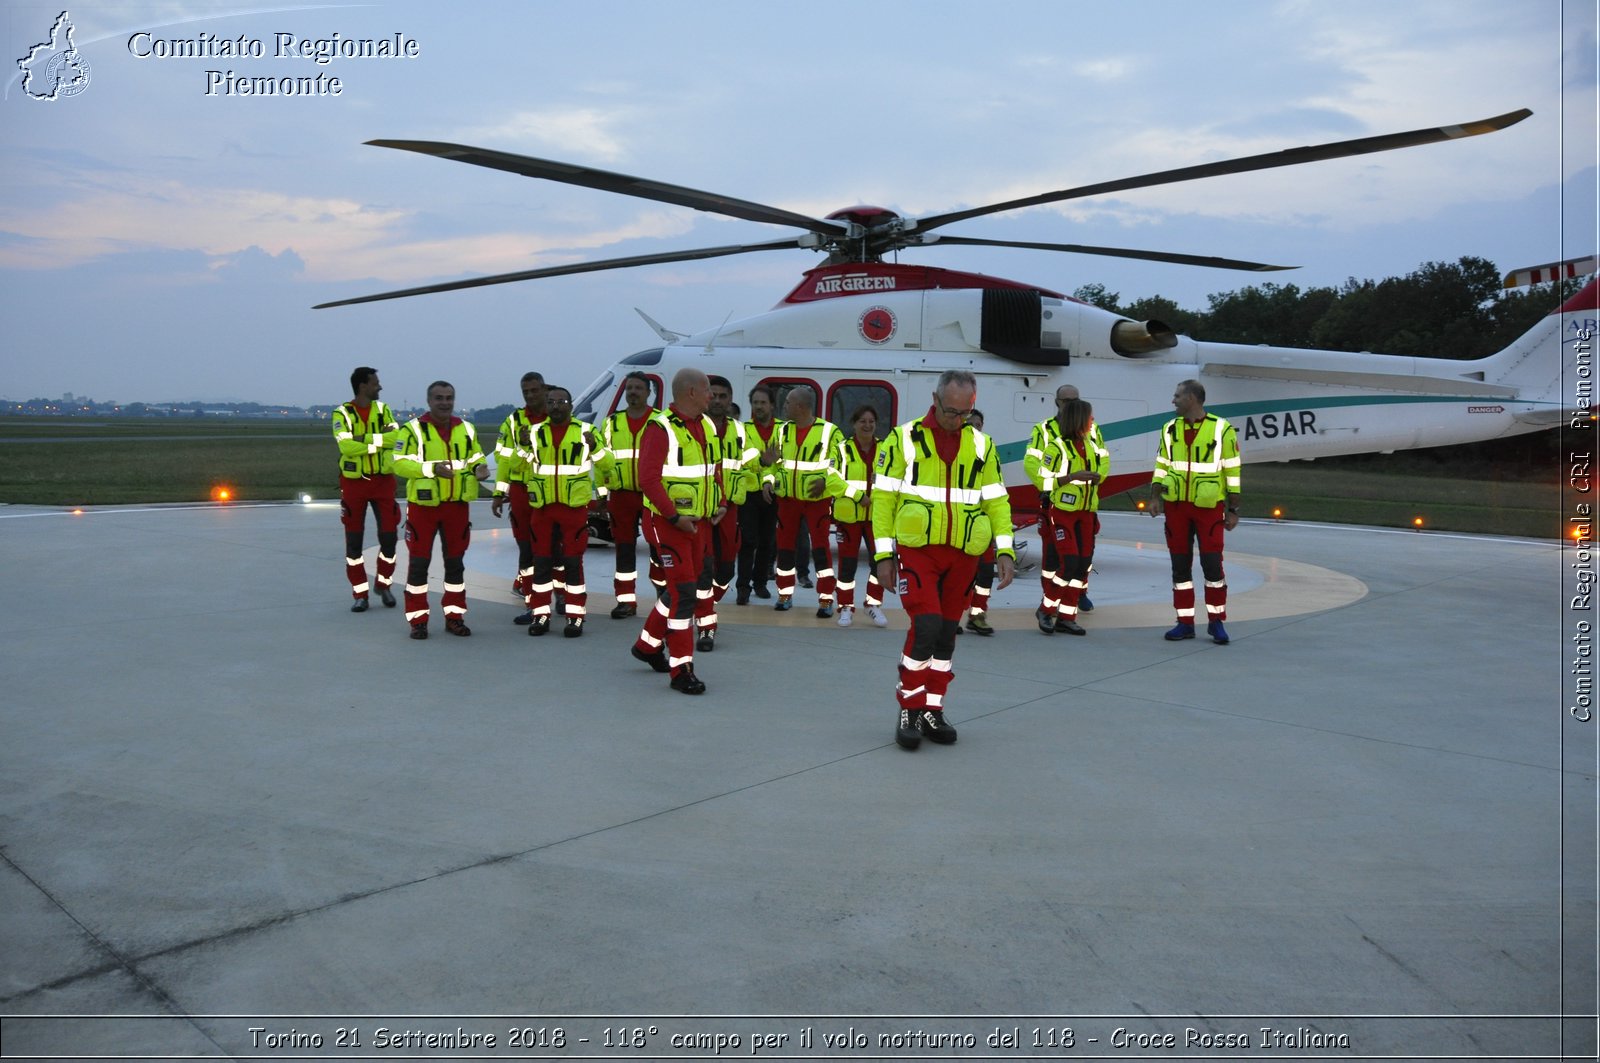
(559, 466)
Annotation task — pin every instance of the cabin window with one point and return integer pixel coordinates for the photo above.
(781, 386)
(847, 396)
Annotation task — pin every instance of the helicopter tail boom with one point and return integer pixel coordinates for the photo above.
(1551, 366)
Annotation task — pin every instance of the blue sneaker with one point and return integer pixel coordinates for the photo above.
(785, 603)
(1180, 632)
(1218, 633)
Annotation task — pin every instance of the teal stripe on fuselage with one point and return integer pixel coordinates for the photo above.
(1135, 426)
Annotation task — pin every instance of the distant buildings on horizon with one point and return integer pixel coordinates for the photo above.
(70, 405)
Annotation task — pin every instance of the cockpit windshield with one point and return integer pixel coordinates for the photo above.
(583, 407)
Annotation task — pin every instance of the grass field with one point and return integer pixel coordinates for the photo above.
(72, 462)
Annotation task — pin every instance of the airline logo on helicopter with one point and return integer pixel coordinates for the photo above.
(877, 324)
(854, 282)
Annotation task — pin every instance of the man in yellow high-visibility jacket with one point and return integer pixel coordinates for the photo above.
(509, 483)
(365, 430)
(805, 481)
(619, 437)
(740, 470)
(559, 465)
(680, 473)
(937, 503)
(1196, 484)
(441, 463)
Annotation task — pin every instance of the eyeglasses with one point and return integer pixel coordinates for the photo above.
(963, 414)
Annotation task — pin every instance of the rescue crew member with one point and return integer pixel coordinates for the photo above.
(680, 473)
(938, 501)
(983, 582)
(619, 437)
(1046, 437)
(758, 517)
(805, 480)
(852, 515)
(1073, 472)
(1196, 484)
(738, 462)
(441, 463)
(366, 432)
(559, 466)
(509, 482)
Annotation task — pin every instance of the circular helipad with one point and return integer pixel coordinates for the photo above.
(1131, 585)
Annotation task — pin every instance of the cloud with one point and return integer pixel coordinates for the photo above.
(587, 132)
(143, 213)
(414, 261)
(1109, 69)
(255, 266)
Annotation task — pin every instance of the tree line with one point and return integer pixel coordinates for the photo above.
(1439, 310)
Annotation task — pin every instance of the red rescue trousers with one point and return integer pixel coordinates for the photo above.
(1189, 525)
(850, 537)
(356, 496)
(1072, 533)
(724, 557)
(935, 587)
(682, 556)
(557, 536)
(818, 518)
(452, 523)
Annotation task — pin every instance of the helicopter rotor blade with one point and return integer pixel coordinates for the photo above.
(1116, 252)
(606, 181)
(1270, 160)
(561, 271)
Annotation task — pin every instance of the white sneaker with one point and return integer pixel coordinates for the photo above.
(878, 619)
(845, 614)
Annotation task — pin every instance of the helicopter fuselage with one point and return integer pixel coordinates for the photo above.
(870, 341)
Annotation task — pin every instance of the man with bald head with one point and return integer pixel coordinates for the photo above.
(680, 475)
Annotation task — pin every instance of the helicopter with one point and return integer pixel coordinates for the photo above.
(860, 330)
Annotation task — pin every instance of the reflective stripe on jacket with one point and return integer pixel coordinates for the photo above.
(918, 500)
(507, 466)
(690, 472)
(623, 446)
(855, 505)
(561, 475)
(741, 462)
(1205, 473)
(803, 463)
(1068, 459)
(423, 447)
(366, 445)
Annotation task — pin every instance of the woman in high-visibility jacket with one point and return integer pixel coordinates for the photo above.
(1071, 474)
(852, 515)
